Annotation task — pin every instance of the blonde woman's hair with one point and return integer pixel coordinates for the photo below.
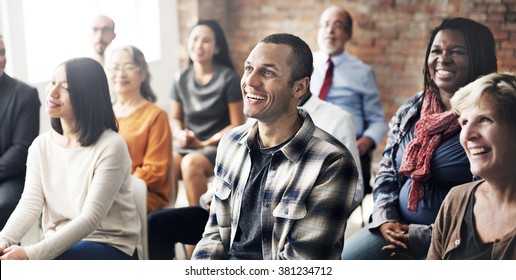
(501, 87)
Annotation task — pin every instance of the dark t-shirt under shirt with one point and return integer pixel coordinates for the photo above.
(248, 240)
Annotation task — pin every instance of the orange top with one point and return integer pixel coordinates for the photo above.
(147, 134)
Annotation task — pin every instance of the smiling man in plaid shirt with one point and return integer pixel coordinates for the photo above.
(283, 187)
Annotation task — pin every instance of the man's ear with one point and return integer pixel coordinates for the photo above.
(301, 87)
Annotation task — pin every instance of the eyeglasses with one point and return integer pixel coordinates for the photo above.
(126, 68)
(335, 25)
(103, 30)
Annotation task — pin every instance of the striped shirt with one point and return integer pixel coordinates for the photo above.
(305, 202)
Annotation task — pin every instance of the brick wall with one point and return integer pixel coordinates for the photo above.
(389, 35)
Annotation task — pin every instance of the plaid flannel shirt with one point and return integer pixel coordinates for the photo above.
(306, 199)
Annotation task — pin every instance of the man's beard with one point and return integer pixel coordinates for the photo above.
(323, 46)
(100, 48)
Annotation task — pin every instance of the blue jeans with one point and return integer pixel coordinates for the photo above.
(87, 250)
(365, 245)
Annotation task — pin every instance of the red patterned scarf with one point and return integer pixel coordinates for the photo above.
(433, 127)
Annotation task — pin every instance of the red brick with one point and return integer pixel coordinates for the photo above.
(501, 8)
(508, 65)
(388, 34)
(495, 17)
(508, 45)
(509, 26)
(501, 35)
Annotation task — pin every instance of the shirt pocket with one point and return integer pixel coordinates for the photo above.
(291, 211)
(222, 190)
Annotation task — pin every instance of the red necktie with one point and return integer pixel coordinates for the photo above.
(327, 81)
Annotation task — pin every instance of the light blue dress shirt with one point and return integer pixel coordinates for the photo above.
(353, 89)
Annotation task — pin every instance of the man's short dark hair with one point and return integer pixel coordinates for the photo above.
(300, 60)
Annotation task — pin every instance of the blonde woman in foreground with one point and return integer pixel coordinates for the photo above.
(477, 220)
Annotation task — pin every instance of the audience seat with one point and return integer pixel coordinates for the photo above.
(140, 199)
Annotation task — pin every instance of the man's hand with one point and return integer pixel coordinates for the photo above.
(364, 143)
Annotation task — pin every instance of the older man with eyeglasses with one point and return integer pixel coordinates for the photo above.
(349, 83)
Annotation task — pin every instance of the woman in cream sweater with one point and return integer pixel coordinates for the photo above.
(78, 176)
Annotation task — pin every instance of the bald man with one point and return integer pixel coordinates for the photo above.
(353, 86)
(101, 35)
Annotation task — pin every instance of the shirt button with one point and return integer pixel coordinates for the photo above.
(286, 211)
(457, 242)
(267, 205)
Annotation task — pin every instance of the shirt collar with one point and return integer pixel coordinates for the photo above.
(338, 59)
(310, 104)
(296, 146)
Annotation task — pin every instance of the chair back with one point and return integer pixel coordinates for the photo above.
(140, 198)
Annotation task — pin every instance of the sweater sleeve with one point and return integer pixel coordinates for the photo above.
(29, 207)
(156, 158)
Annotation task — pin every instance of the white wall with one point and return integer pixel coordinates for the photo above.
(163, 71)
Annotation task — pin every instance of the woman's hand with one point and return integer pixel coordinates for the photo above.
(184, 138)
(397, 237)
(14, 252)
(196, 143)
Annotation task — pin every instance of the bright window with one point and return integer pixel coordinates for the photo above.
(56, 30)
